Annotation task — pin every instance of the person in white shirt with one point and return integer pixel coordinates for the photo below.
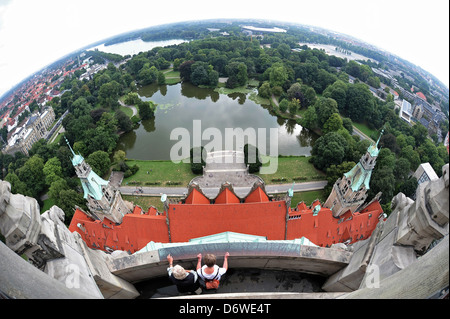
(210, 271)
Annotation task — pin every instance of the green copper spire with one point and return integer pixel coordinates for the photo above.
(359, 177)
(361, 173)
(373, 148)
(77, 159)
(90, 181)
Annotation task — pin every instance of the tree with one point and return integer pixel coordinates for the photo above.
(32, 174)
(359, 102)
(119, 156)
(338, 92)
(108, 94)
(309, 118)
(347, 124)
(197, 159)
(390, 141)
(132, 98)
(294, 106)
(252, 158)
(100, 162)
(237, 74)
(278, 74)
(401, 169)
(382, 180)
(161, 78)
(325, 107)
(17, 186)
(420, 133)
(123, 121)
(309, 96)
(323, 79)
(295, 92)
(56, 187)
(148, 75)
(185, 70)
(265, 90)
(80, 107)
(412, 156)
(52, 170)
(146, 110)
(284, 104)
(203, 74)
(329, 149)
(409, 187)
(374, 82)
(334, 123)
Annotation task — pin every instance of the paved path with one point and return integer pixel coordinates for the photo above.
(361, 134)
(182, 191)
(132, 107)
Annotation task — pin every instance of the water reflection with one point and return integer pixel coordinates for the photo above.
(240, 96)
(180, 104)
(149, 125)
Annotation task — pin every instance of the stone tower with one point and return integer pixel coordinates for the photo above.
(103, 200)
(350, 191)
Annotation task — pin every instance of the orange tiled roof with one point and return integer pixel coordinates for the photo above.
(258, 215)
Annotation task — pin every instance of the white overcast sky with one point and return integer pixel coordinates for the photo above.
(34, 33)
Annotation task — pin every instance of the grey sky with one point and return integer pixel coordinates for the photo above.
(36, 33)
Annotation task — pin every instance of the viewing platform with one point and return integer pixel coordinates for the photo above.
(226, 166)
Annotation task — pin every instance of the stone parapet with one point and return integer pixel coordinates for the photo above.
(263, 255)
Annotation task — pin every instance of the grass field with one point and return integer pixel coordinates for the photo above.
(290, 169)
(47, 204)
(145, 201)
(160, 173)
(172, 77)
(363, 128)
(307, 197)
(128, 111)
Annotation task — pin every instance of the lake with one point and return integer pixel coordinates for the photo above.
(135, 46)
(179, 105)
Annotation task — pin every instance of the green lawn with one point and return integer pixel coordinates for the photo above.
(307, 197)
(48, 203)
(160, 172)
(56, 141)
(363, 128)
(290, 169)
(145, 201)
(128, 111)
(172, 77)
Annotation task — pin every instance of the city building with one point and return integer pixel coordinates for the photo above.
(425, 173)
(103, 200)
(35, 128)
(406, 111)
(350, 192)
(255, 213)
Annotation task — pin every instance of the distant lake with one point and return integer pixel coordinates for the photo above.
(135, 46)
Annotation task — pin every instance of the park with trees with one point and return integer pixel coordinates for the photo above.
(307, 86)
